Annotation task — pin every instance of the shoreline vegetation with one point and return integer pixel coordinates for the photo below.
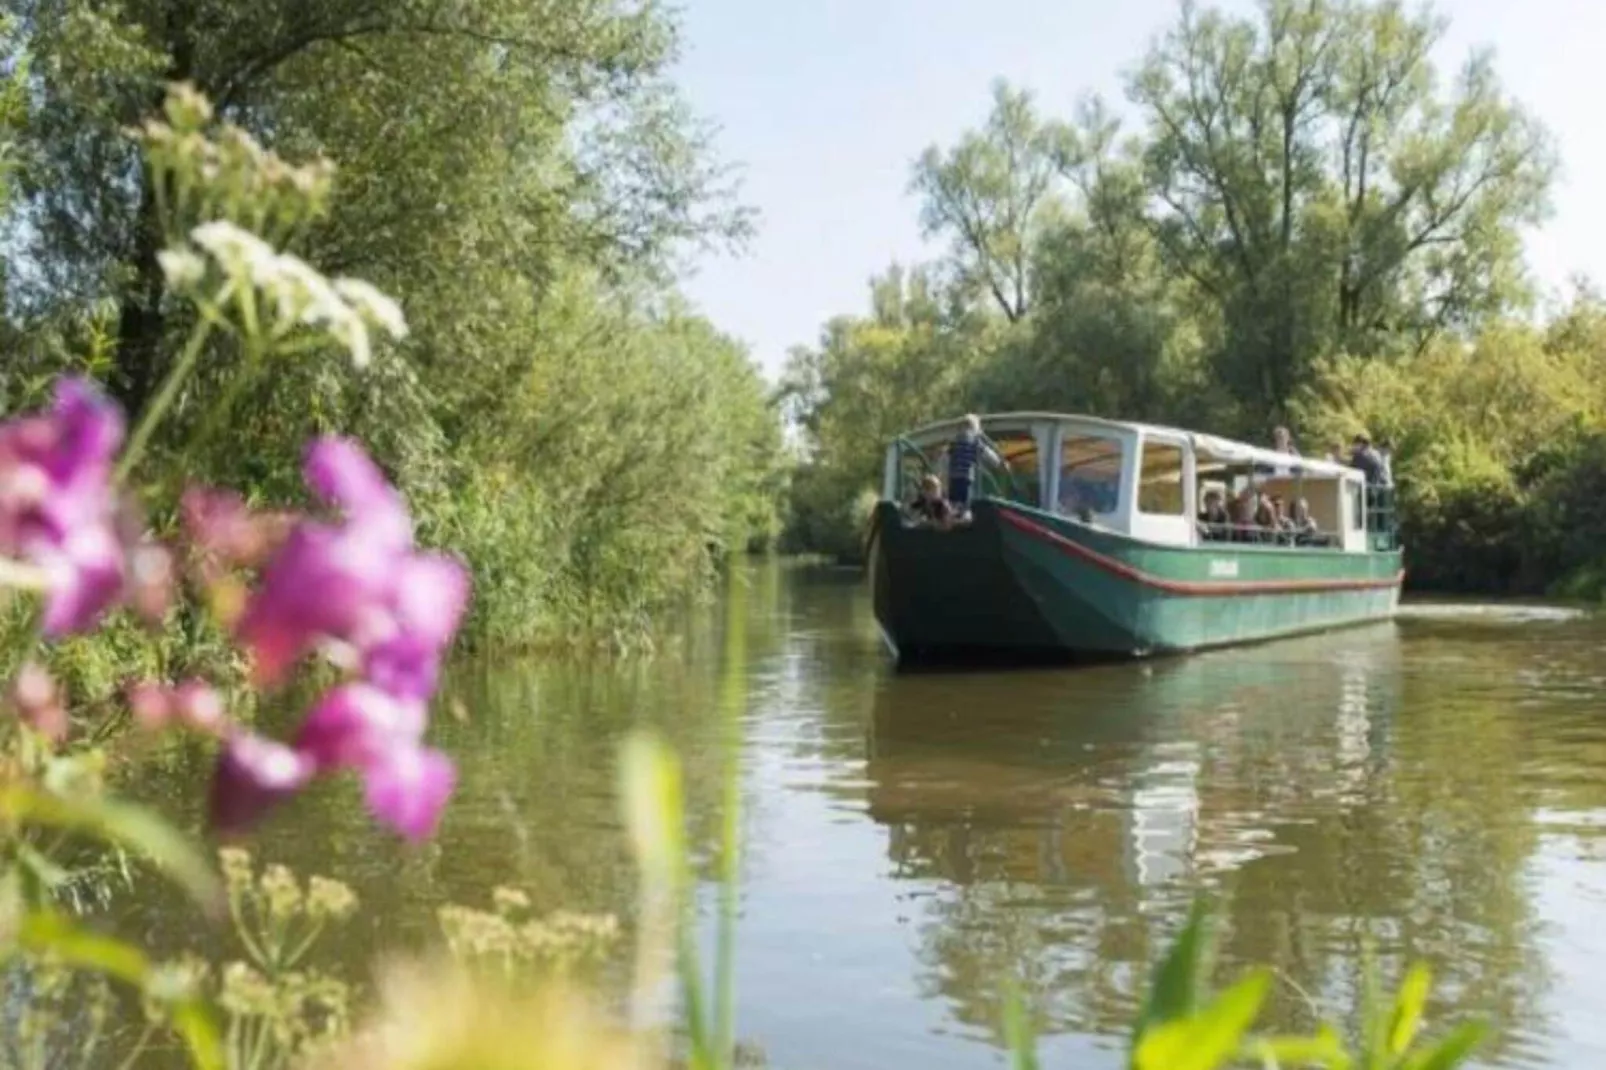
(1297, 220)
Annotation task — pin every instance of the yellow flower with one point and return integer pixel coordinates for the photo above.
(442, 1018)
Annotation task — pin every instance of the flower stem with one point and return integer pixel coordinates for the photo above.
(139, 1048)
(164, 398)
(243, 378)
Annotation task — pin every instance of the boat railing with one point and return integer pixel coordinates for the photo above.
(1382, 518)
(999, 480)
(1260, 535)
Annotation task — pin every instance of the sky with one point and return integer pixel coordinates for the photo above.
(824, 104)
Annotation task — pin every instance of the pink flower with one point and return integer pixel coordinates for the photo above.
(57, 510)
(356, 727)
(151, 705)
(226, 531)
(353, 724)
(150, 581)
(193, 704)
(408, 787)
(38, 702)
(361, 727)
(359, 585)
(253, 775)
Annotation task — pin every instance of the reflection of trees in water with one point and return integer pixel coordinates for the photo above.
(1324, 788)
(536, 804)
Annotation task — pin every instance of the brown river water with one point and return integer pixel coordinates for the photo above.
(1434, 787)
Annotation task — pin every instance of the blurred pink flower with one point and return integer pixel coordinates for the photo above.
(57, 509)
(193, 704)
(253, 774)
(362, 586)
(38, 702)
(360, 582)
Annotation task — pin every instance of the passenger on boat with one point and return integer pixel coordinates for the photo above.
(930, 507)
(1242, 511)
(963, 455)
(1214, 520)
(1283, 442)
(1385, 453)
(1266, 520)
(1072, 503)
(1365, 458)
(1301, 522)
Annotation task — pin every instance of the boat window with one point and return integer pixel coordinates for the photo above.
(1357, 506)
(1090, 473)
(1021, 479)
(1160, 479)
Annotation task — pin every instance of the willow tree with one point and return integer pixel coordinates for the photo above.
(524, 176)
(475, 137)
(1324, 190)
(987, 195)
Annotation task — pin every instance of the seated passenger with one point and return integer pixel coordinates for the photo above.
(1302, 523)
(1213, 519)
(1283, 526)
(1266, 521)
(1243, 516)
(930, 507)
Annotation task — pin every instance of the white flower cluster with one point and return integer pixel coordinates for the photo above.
(300, 295)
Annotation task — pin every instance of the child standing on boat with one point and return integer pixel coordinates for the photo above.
(963, 454)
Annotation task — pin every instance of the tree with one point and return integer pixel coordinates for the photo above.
(987, 194)
(1322, 192)
(523, 177)
(868, 379)
(548, 132)
(1109, 331)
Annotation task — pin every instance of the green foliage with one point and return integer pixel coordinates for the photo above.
(528, 211)
(1497, 450)
(866, 381)
(1184, 1027)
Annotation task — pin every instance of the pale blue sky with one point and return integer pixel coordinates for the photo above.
(826, 102)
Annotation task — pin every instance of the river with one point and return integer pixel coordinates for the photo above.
(1433, 785)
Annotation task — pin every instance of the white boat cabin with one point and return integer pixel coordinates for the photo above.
(1144, 481)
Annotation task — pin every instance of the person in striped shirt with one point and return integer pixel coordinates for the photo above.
(963, 454)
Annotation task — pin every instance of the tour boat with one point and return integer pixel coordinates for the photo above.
(1102, 553)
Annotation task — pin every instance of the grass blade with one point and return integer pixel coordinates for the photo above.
(1177, 982)
(125, 825)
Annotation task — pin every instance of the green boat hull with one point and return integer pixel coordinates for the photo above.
(1017, 581)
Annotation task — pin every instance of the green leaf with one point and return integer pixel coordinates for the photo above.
(49, 933)
(1207, 1040)
(1018, 1033)
(650, 785)
(45, 932)
(1408, 1006)
(47, 871)
(1452, 1051)
(1177, 982)
(1324, 1048)
(124, 825)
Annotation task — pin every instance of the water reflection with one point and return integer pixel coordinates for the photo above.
(1327, 790)
(914, 840)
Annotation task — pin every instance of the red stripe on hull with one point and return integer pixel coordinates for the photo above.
(1193, 588)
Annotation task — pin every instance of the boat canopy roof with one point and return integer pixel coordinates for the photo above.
(1229, 452)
